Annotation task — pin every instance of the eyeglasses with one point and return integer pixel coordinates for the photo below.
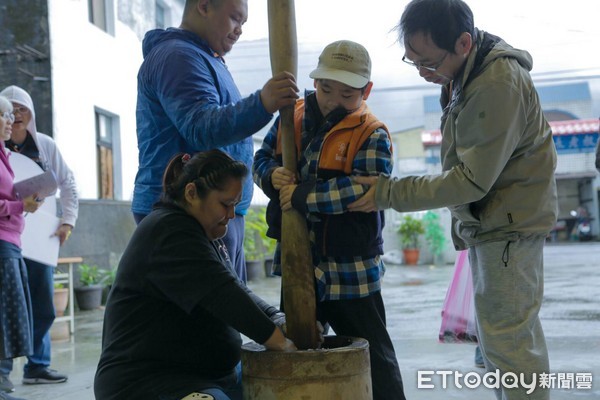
(20, 109)
(10, 117)
(432, 68)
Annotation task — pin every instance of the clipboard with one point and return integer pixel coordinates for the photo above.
(37, 240)
(44, 185)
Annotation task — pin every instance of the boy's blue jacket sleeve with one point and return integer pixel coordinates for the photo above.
(265, 162)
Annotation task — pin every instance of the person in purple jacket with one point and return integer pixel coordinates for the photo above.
(43, 150)
(15, 303)
(188, 102)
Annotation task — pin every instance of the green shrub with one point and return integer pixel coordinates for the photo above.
(89, 274)
(409, 230)
(108, 276)
(434, 233)
(257, 245)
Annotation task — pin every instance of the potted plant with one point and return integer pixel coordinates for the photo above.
(409, 230)
(434, 235)
(89, 295)
(258, 247)
(59, 332)
(270, 246)
(60, 299)
(107, 280)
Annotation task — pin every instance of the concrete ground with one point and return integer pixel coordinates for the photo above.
(413, 296)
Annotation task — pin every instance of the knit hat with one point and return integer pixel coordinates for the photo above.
(344, 61)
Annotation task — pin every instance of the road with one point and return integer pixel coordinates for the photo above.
(413, 296)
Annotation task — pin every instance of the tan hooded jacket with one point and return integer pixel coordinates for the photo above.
(498, 156)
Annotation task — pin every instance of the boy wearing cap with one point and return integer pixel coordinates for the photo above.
(337, 136)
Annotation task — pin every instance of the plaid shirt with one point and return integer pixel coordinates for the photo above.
(344, 277)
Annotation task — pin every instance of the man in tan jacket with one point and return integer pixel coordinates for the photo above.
(498, 161)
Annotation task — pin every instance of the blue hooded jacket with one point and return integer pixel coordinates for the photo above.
(188, 102)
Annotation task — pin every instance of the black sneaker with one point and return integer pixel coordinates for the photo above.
(43, 375)
(6, 396)
(6, 386)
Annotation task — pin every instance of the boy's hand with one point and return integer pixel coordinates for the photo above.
(367, 202)
(282, 177)
(285, 197)
(279, 91)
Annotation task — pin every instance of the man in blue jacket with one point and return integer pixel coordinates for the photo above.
(188, 102)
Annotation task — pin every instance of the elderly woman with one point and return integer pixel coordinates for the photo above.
(175, 312)
(15, 306)
(42, 149)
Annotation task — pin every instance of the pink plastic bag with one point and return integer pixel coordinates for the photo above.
(458, 311)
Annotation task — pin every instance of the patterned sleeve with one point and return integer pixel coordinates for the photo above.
(373, 158)
(265, 162)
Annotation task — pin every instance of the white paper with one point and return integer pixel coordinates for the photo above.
(38, 242)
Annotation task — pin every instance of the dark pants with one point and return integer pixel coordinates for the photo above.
(365, 318)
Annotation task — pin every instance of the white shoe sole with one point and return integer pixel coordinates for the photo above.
(39, 381)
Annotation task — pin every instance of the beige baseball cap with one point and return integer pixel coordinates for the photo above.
(344, 61)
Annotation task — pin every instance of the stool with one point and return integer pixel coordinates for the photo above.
(66, 277)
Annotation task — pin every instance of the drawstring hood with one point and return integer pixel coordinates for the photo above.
(19, 96)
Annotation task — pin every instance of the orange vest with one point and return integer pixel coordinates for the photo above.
(343, 141)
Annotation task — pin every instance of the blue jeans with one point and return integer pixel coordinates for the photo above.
(228, 388)
(41, 287)
(234, 240)
(216, 393)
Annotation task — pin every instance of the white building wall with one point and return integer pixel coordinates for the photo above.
(91, 68)
(579, 108)
(577, 163)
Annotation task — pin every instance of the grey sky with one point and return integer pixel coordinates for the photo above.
(560, 35)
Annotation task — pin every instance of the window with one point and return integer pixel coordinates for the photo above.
(107, 145)
(101, 14)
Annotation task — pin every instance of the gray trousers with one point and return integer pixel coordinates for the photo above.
(508, 283)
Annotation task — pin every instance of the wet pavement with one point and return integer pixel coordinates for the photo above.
(413, 296)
